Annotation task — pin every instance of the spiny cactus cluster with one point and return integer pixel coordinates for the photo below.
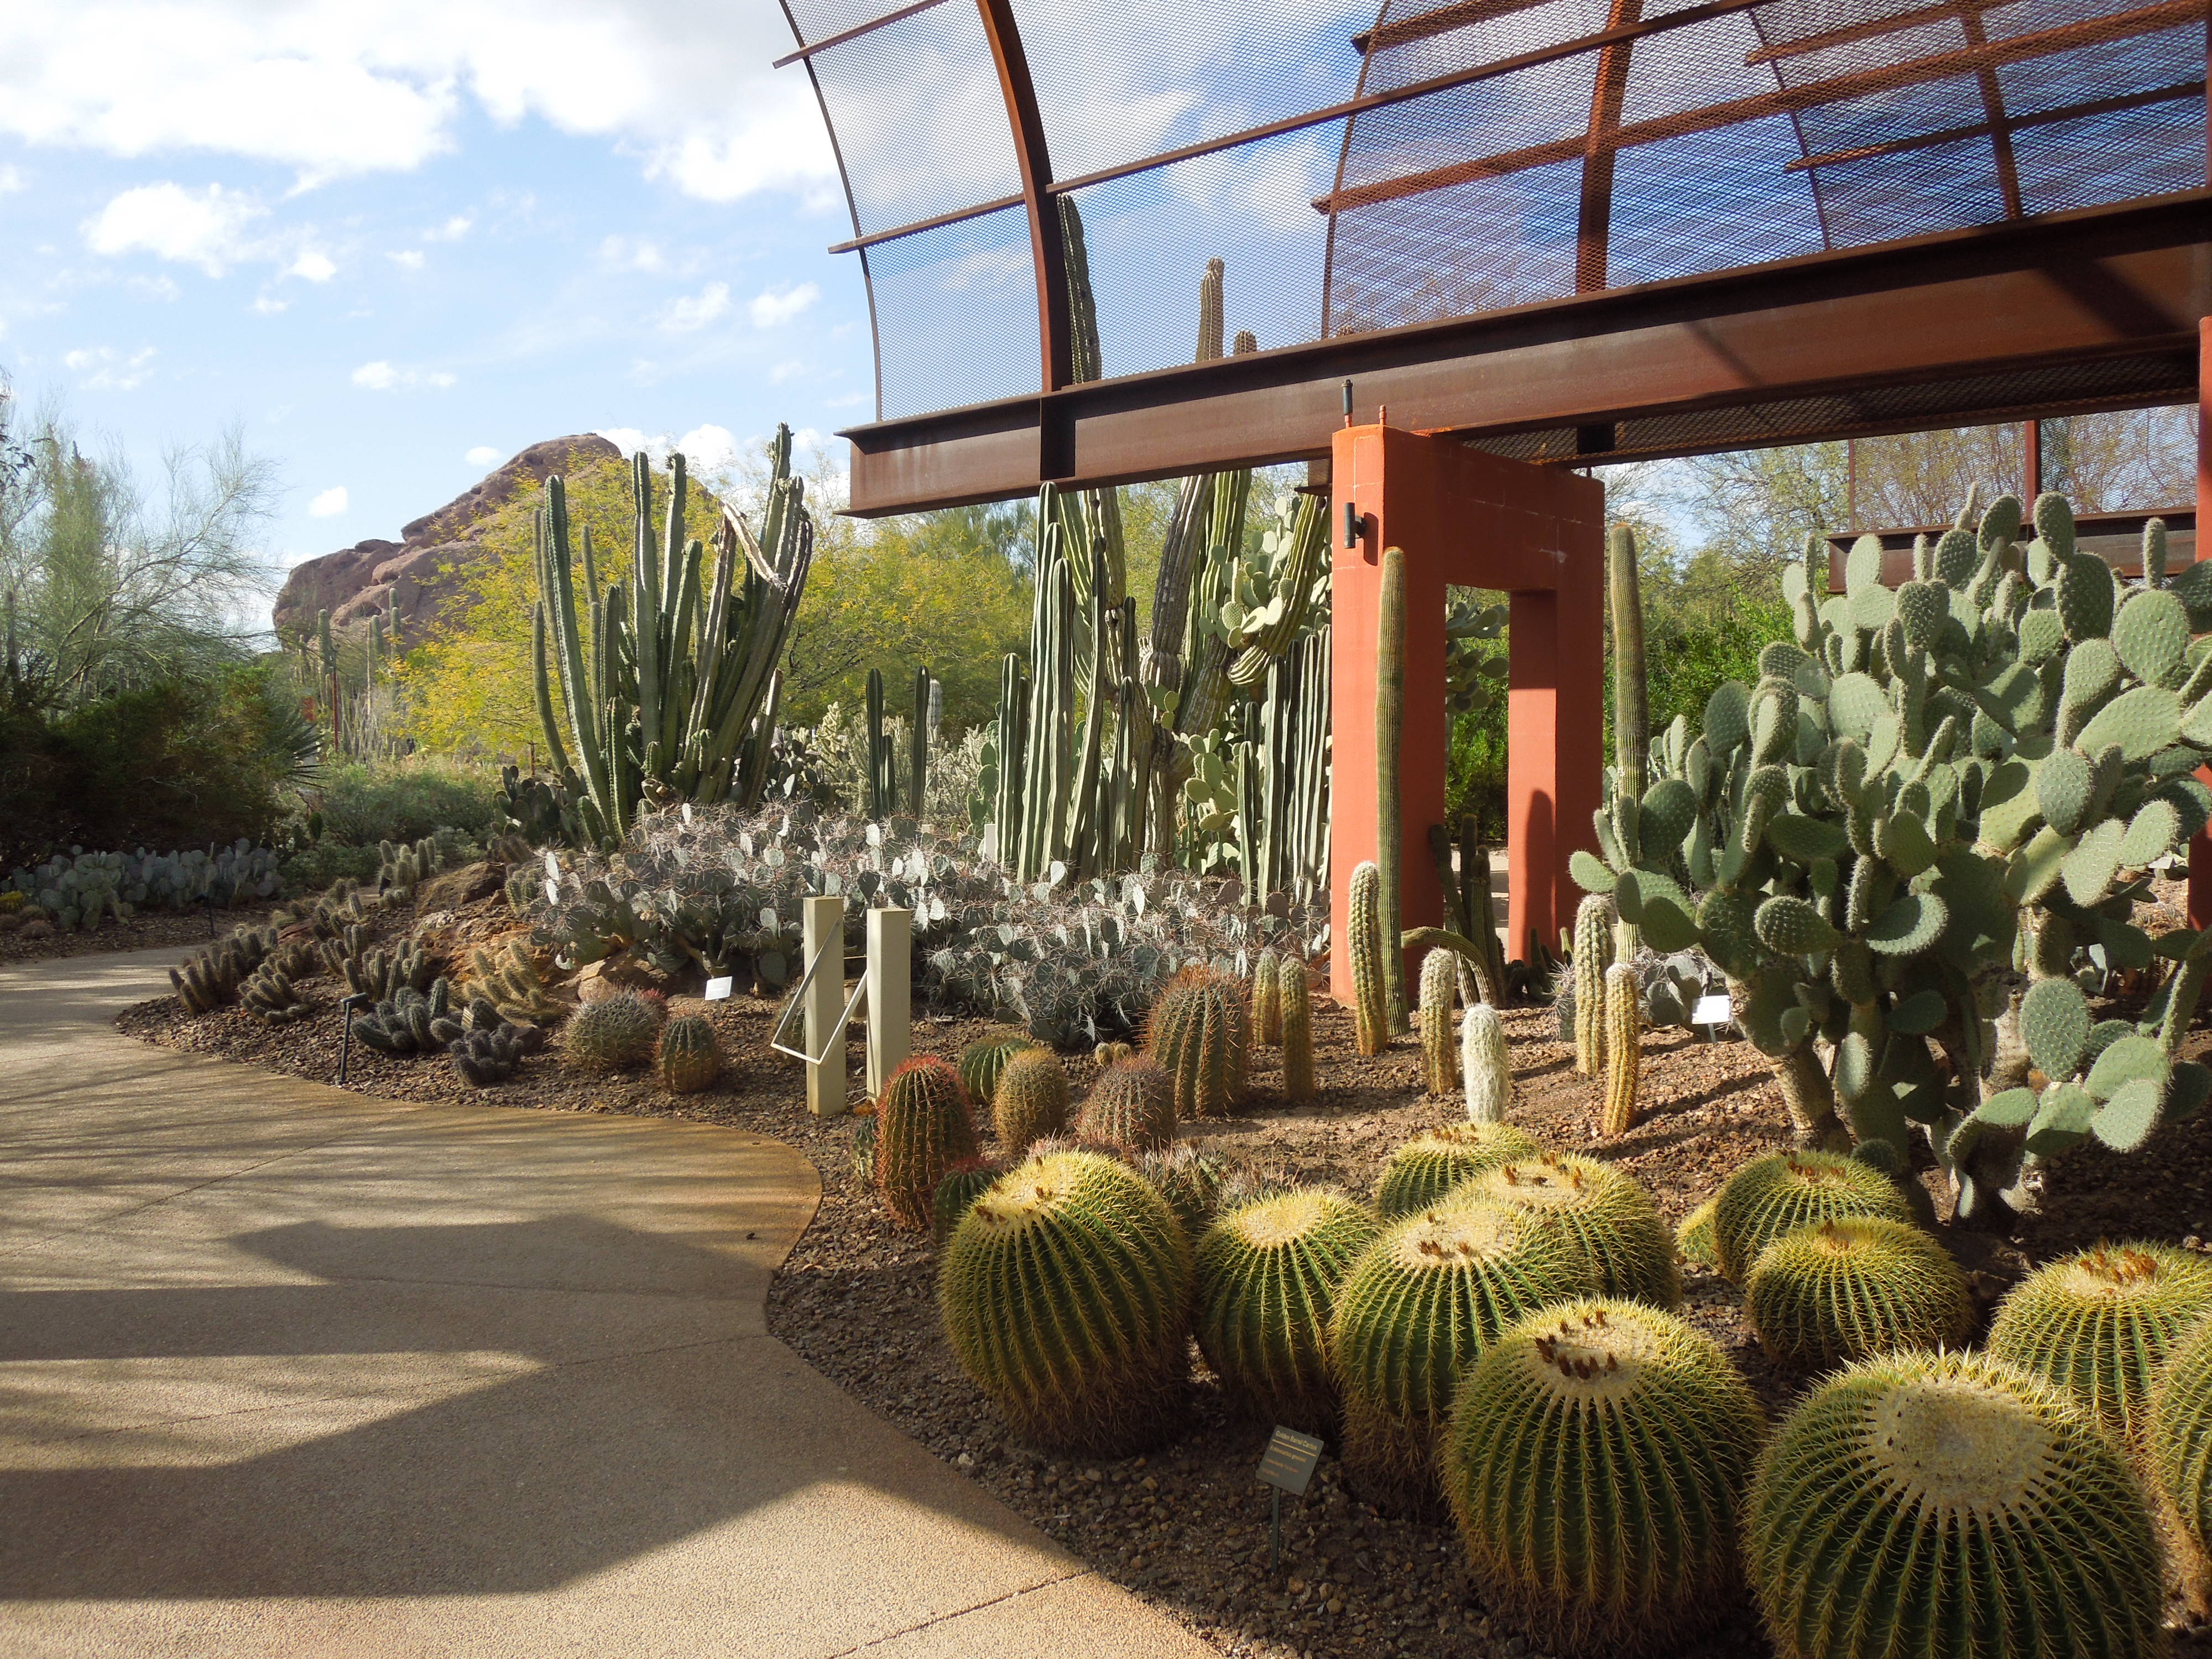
(402, 1023)
(487, 1056)
(1625, 1241)
(510, 979)
(1131, 1109)
(1771, 1197)
(205, 979)
(1597, 1456)
(1200, 1034)
(1030, 1101)
(922, 1131)
(688, 1057)
(611, 1035)
(1420, 1172)
(1066, 1295)
(1854, 1286)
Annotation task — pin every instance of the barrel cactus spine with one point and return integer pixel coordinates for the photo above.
(1200, 1034)
(1363, 942)
(1297, 1002)
(1774, 1195)
(1030, 1101)
(1850, 1287)
(1131, 1109)
(1624, 1049)
(1485, 1068)
(1439, 980)
(1266, 1000)
(1597, 1456)
(1593, 955)
(1267, 1271)
(1066, 1295)
(922, 1129)
(1427, 1167)
(1612, 1219)
(688, 1057)
(1949, 1506)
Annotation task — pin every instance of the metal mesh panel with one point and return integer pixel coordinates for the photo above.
(956, 314)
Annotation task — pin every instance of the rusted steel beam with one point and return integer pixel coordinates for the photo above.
(855, 33)
(2102, 282)
(2041, 117)
(1969, 60)
(1034, 159)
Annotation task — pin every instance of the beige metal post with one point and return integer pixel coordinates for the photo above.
(822, 927)
(891, 991)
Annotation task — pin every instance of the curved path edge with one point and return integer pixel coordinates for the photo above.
(285, 1370)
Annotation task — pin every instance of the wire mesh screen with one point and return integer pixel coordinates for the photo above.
(956, 314)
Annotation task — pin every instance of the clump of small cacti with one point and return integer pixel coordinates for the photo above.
(1425, 1168)
(1439, 982)
(922, 1129)
(1066, 1295)
(1416, 1309)
(1190, 1180)
(1297, 1008)
(1267, 1273)
(963, 1184)
(400, 1025)
(1693, 1236)
(1363, 944)
(983, 1059)
(1858, 1285)
(688, 1058)
(268, 993)
(1593, 955)
(1485, 1068)
(1199, 1033)
(1615, 1222)
(2181, 1434)
(611, 1035)
(1624, 1049)
(2099, 1324)
(1131, 1109)
(1597, 1454)
(1771, 1196)
(489, 1056)
(1030, 1101)
(1949, 1506)
(510, 978)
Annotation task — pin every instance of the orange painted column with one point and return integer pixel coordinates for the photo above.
(1468, 519)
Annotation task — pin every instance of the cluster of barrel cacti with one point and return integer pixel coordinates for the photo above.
(1930, 791)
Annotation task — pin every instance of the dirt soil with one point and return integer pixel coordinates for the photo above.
(1188, 1526)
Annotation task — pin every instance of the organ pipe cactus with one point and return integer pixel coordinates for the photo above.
(1624, 1049)
(1485, 1065)
(1366, 940)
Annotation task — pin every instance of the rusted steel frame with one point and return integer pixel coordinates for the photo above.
(1034, 159)
(2098, 283)
(2043, 43)
(1872, 28)
(1352, 107)
(1593, 235)
(2041, 117)
(853, 33)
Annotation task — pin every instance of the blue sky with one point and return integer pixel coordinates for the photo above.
(397, 243)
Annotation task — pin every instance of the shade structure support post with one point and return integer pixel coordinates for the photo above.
(890, 995)
(1468, 519)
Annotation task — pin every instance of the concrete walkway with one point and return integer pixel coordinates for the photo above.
(284, 1370)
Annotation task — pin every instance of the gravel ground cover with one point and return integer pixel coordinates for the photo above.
(1188, 1526)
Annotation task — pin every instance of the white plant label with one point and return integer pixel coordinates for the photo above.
(718, 990)
(1713, 1009)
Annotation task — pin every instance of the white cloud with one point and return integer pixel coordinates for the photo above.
(483, 455)
(407, 259)
(772, 310)
(329, 504)
(380, 376)
(11, 179)
(106, 369)
(695, 311)
(451, 231)
(315, 267)
(206, 228)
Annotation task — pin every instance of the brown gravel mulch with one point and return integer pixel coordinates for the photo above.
(148, 930)
(1187, 1526)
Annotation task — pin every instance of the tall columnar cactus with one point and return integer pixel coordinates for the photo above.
(1615, 1222)
(1845, 1290)
(1771, 1196)
(1949, 1506)
(1365, 942)
(2181, 1434)
(1297, 1001)
(922, 1129)
(1266, 1000)
(1200, 1034)
(2099, 1325)
(1483, 1065)
(688, 1057)
(1030, 1101)
(1593, 955)
(1066, 1295)
(1427, 1167)
(1390, 740)
(1595, 1463)
(1439, 980)
(1131, 1109)
(1414, 1310)
(1267, 1271)
(1624, 1049)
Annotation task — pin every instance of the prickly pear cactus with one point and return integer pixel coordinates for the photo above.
(1826, 1295)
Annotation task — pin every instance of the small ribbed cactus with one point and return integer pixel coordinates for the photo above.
(1483, 1065)
(1593, 955)
(1615, 1222)
(2181, 1434)
(1066, 1295)
(1267, 1274)
(1439, 980)
(922, 1129)
(1030, 1101)
(1199, 1033)
(1298, 1029)
(1414, 1310)
(1694, 1236)
(1597, 1455)
(1949, 1506)
(611, 1034)
(1420, 1172)
(1266, 1000)
(1131, 1109)
(2099, 1325)
(1771, 1196)
(1847, 1289)
(690, 1059)
(1362, 939)
(1624, 1049)
(983, 1059)
(964, 1183)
